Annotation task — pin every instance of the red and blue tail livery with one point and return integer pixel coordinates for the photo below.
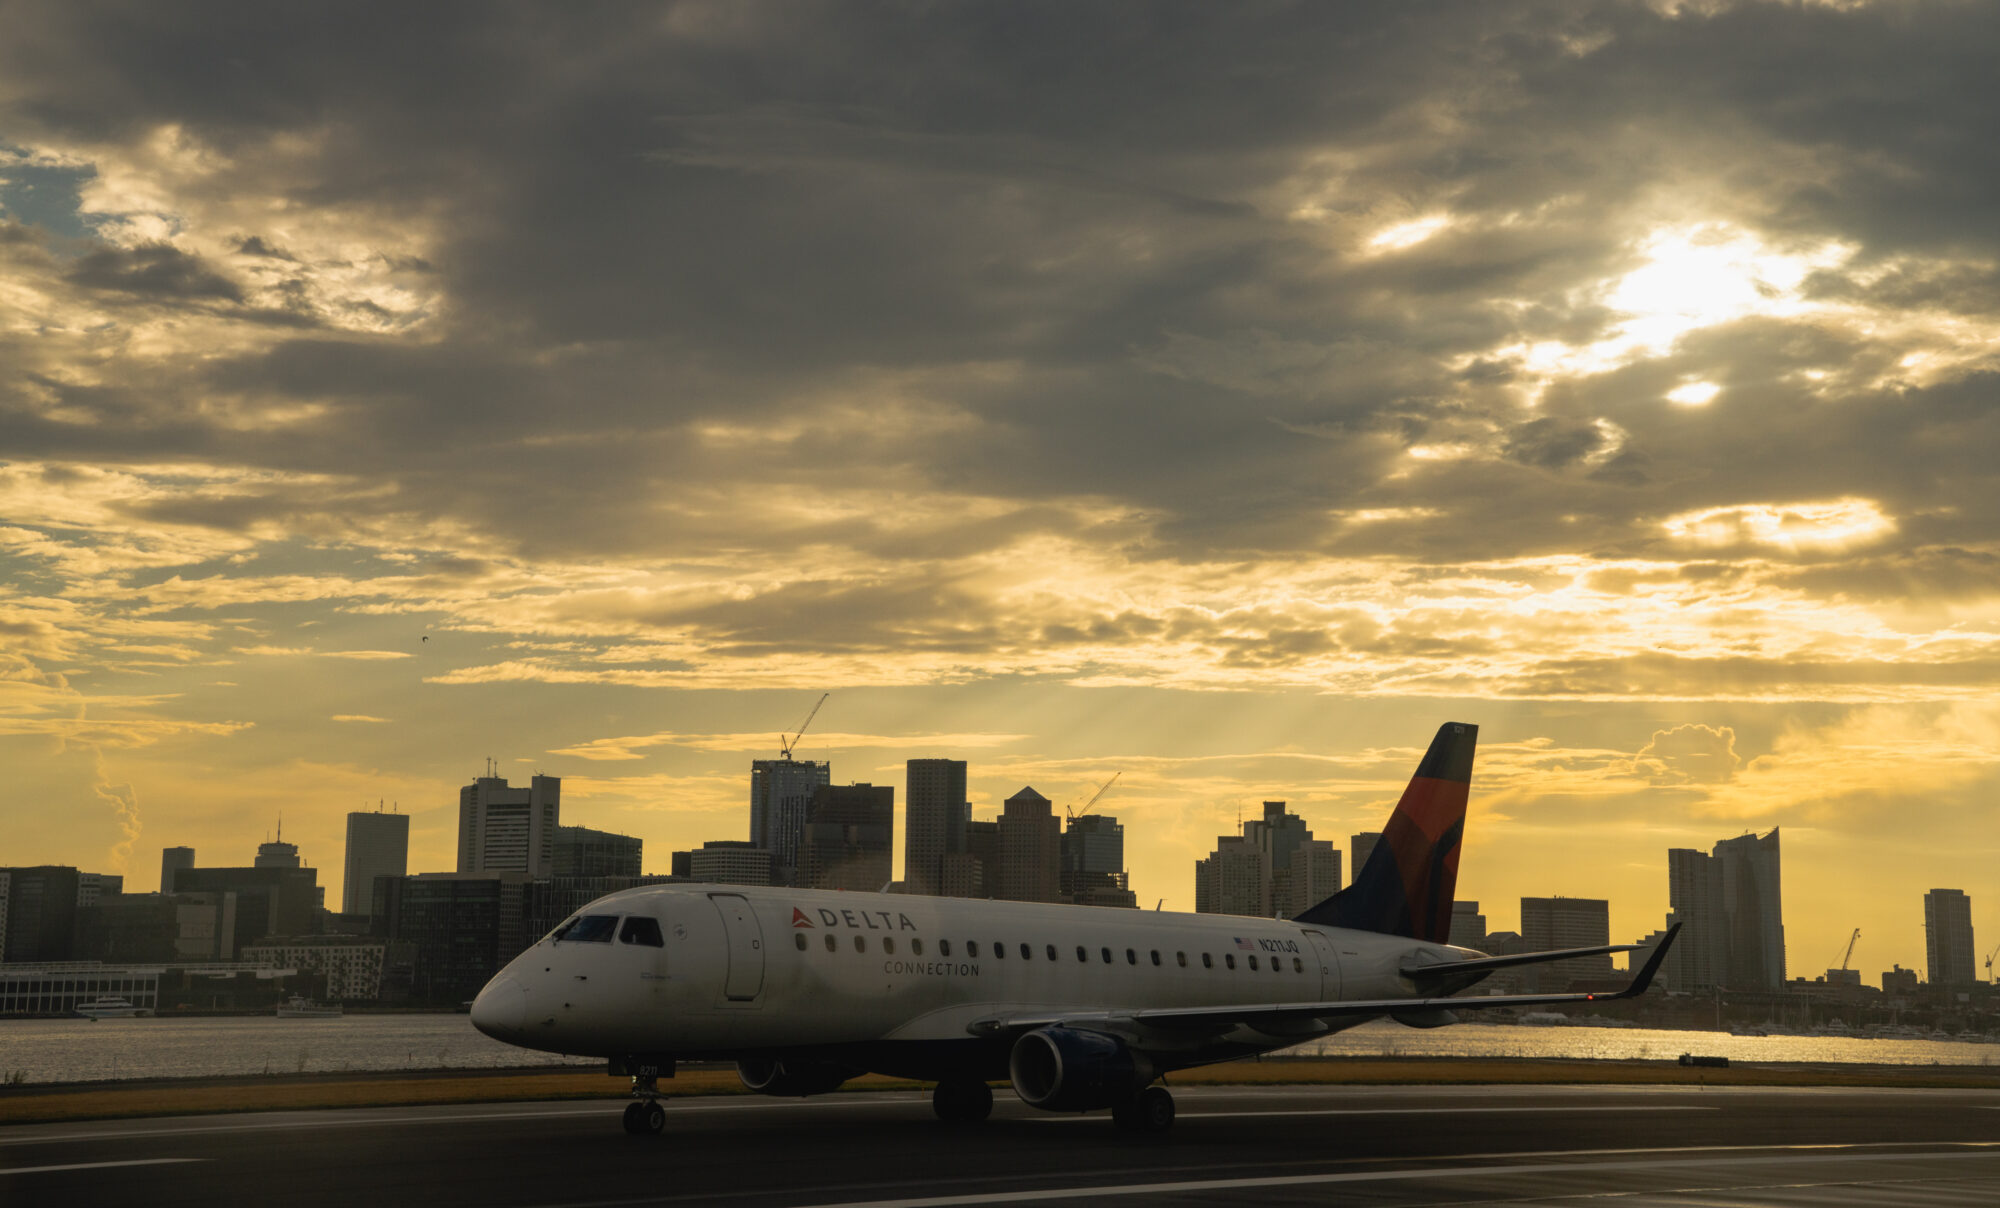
(1406, 887)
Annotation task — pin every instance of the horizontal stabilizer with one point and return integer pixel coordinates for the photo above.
(1486, 964)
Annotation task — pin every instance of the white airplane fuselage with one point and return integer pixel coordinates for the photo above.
(899, 984)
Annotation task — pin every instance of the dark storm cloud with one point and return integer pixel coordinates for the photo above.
(651, 217)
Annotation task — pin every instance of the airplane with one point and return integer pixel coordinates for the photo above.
(1080, 1008)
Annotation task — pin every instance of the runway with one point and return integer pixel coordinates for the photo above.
(1428, 1145)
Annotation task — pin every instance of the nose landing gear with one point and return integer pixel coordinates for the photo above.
(645, 1116)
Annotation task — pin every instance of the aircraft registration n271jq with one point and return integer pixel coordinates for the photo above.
(1079, 1007)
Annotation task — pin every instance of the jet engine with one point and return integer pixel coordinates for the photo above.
(770, 1076)
(1062, 1069)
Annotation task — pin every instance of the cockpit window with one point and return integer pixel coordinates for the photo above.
(642, 930)
(589, 929)
(563, 930)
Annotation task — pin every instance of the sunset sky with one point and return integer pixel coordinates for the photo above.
(1223, 395)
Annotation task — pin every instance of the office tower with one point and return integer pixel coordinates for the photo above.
(1359, 847)
(268, 901)
(41, 913)
(1550, 923)
(1948, 938)
(583, 852)
(277, 853)
(171, 860)
(463, 926)
(503, 829)
(1731, 906)
(977, 873)
(1233, 879)
(94, 887)
(1091, 861)
(781, 793)
(1468, 926)
(729, 862)
(935, 814)
(1030, 850)
(378, 845)
(850, 838)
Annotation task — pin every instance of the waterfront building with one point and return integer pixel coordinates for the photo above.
(1898, 982)
(267, 901)
(1948, 946)
(172, 859)
(502, 829)
(59, 988)
(729, 862)
(849, 840)
(41, 913)
(583, 852)
(378, 845)
(781, 795)
(1551, 923)
(934, 816)
(351, 967)
(461, 927)
(93, 887)
(1030, 850)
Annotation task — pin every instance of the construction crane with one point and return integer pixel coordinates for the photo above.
(1075, 813)
(1990, 957)
(785, 746)
(1849, 954)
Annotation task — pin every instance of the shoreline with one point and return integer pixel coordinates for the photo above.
(135, 1098)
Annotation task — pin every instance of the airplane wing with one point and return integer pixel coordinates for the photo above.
(1281, 1018)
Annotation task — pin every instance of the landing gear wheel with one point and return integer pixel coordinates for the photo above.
(962, 1101)
(644, 1118)
(1153, 1110)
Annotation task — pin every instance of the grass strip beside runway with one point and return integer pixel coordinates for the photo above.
(32, 1104)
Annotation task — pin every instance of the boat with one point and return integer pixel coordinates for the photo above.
(297, 1007)
(111, 1008)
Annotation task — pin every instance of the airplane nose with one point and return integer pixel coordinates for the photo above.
(501, 1009)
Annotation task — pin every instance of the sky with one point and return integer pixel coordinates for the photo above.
(1219, 396)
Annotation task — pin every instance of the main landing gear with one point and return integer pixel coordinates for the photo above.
(1149, 1111)
(962, 1101)
(645, 1116)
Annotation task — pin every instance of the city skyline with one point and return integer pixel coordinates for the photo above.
(1614, 376)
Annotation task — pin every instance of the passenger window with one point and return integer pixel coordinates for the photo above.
(639, 929)
(1229, 959)
(972, 947)
(1156, 956)
(1180, 958)
(1207, 961)
(944, 947)
(889, 945)
(1253, 963)
(1107, 955)
(1131, 957)
(592, 929)
(1028, 952)
(799, 940)
(831, 944)
(916, 947)
(861, 943)
(1052, 951)
(1298, 966)
(1080, 954)
(999, 951)
(1277, 965)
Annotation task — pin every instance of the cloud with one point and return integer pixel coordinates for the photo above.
(359, 717)
(1689, 754)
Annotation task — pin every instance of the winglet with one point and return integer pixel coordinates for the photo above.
(1641, 983)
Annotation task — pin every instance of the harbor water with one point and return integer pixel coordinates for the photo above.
(42, 1051)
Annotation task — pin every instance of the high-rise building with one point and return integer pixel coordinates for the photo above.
(507, 830)
(268, 901)
(41, 913)
(464, 926)
(1359, 848)
(94, 887)
(781, 794)
(378, 845)
(1948, 938)
(1233, 879)
(730, 862)
(1092, 863)
(1730, 905)
(277, 853)
(583, 852)
(850, 838)
(977, 873)
(1550, 923)
(1030, 850)
(1291, 871)
(1468, 926)
(173, 859)
(934, 818)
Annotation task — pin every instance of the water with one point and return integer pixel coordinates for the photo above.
(79, 1050)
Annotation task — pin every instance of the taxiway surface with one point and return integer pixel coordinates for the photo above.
(1416, 1145)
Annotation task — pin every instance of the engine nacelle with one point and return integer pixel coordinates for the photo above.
(769, 1076)
(1062, 1069)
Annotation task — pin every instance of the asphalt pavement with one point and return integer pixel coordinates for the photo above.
(1285, 1145)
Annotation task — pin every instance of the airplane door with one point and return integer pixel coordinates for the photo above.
(1329, 966)
(746, 947)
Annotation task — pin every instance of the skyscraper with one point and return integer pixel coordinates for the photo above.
(277, 853)
(1275, 868)
(781, 793)
(172, 859)
(1232, 879)
(1550, 923)
(1092, 859)
(505, 829)
(1732, 910)
(935, 814)
(1948, 938)
(849, 841)
(1359, 848)
(1030, 850)
(378, 845)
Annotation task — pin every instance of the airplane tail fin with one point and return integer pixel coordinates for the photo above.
(1406, 887)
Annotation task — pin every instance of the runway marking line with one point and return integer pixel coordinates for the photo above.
(97, 1165)
(1407, 1111)
(1376, 1176)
